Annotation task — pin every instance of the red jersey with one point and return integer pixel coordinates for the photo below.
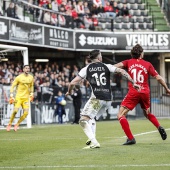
(95, 21)
(74, 14)
(108, 8)
(43, 2)
(59, 2)
(139, 70)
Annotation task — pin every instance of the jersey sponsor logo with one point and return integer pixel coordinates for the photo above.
(99, 89)
(147, 39)
(89, 40)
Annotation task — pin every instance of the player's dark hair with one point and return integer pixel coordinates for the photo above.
(93, 54)
(136, 51)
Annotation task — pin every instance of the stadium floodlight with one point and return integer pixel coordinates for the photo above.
(41, 60)
(4, 59)
(6, 108)
(167, 60)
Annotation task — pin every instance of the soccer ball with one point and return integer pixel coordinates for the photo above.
(63, 102)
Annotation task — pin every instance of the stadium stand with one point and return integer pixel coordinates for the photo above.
(135, 15)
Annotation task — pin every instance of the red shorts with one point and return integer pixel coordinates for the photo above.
(134, 97)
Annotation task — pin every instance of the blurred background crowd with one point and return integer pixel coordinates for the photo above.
(49, 79)
(83, 14)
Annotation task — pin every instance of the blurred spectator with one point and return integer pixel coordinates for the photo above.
(97, 3)
(116, 9)
(95, 20)
(61, 20)
(69, 5)
(59, 2)
(47, 92)
(37, 90)
(74, 5)
(39, 13)
(47, 18)
(73, 75)
(62, 8)
(109, 10)
(3, 81)
(80, 9)
(12, 11)
(54, 20)
(29, 8)
(94, 9)
(69, 19)
(124, 10)
(86, 9)
(60, 110)
(49, 5)
(77, 101)
(43, 3)
(54, 5)
(75, 70)
(91, 22)
(79, 23)
(88, 21)
(101, 11)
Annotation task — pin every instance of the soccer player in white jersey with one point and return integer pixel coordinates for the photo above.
(98, 75)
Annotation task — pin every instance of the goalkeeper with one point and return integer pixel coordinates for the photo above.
(23, 86)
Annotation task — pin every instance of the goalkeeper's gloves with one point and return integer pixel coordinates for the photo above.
(11, 99)
(31, 97)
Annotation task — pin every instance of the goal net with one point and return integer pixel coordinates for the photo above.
(5, 108)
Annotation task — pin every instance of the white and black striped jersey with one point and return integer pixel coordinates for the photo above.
(98, 75)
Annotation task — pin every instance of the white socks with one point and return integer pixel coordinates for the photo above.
(92, 123)
(88, 131)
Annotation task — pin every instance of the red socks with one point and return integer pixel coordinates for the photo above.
(125, 126)
(153, 119)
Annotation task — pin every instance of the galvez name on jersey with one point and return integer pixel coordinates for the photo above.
(96, 69)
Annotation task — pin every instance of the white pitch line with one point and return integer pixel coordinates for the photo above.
(139, 134)
(145, 133)
(85, 166)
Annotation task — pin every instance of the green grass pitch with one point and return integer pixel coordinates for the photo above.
(51, 147)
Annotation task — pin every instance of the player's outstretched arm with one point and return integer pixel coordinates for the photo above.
(119, 65)
(75, 81)
(162, 82)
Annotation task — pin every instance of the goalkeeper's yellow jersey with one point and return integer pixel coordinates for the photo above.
(23, 84)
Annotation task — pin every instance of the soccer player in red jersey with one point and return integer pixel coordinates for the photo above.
(139, 70)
